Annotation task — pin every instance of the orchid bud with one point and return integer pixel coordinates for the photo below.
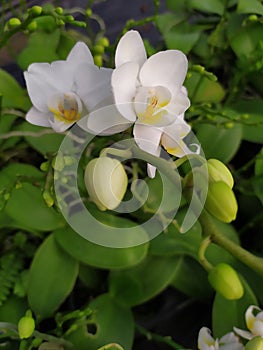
(255, 344)
(221, 201)
(106, 182)
(36, 10)
(14, 23)
(219, 172)
(26, 326)
(224, 279)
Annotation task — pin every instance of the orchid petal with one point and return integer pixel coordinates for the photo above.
(34, 116)
(123, 83)
(148, 139)
(80, 53)
(230, 342)
(39, 91)
(249, 316)
(205, 339)
(60, 126)
(92, 84)
(179, 104)
(130, 49)
(244, 334)
(106, 121)
(165, 68)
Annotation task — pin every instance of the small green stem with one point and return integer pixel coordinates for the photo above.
(201, 253)
(159, 338)
(249, 259)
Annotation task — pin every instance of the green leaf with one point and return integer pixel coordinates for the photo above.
(219, 143)
(66, 43)
(26, 206)
(233, 311)
(13, 309)
(191, 279)
(202, 89)
(141, 283)
(45, 143)
(97, 255)
(253, 124)
(14, 96)
(211, 6)
(51, 278)
(258, 182)
(182, 36)
(251, 6)
(244, 39)
(111, 323)
(41, 48)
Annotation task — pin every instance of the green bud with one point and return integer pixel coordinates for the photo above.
(48, 198)
(32, 26)
(88, 12)
(44, 166)
(98, 60)
(36, 10)
(80, 24)
(253, 18)
(106, 182)
(26, 326)
(221, 201)
(14, 23)
(70, 19)
(229, 125)
(59, 10)
(60, 22)
(98, 49)
(68, 160)
(255, 344)
(219, 172)
(58, 163)
(224, 279)
(103, 41)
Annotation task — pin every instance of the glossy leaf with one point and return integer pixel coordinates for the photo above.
(211, 6)
(51, 278)
(97, 255)
(26, 206)
(14, 96)
(136, 285)
(110, 322)
(253, 6)
(233, 311)
(219, 143)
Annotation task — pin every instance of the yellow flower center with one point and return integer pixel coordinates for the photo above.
(66, 107)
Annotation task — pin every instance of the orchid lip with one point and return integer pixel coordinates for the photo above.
(66, 107)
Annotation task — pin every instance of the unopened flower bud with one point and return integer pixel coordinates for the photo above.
(106, 182)
(14, 22)
(221, 201)
(98, 49)
(255, 344)
(32, 26)
(48, 198)
(98, 60)
(36, 10)
(224, 279)
(103, 41)
(26, 326)
(59, 10)
(219, 172)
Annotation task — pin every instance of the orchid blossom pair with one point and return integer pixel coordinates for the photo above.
(146, 93)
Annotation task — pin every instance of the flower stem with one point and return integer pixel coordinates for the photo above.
(201, 253)
(249, 259)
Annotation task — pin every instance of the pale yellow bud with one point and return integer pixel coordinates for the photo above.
(106, 182)
(255, 344)
(219, 172)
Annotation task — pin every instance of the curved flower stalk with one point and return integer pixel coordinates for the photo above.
(254, 323)
(148, 93)
(64, 91)
(228, 342)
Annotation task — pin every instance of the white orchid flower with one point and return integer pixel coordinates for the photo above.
(150, 94)
(64, 91)
(254, 323)
(228, 342)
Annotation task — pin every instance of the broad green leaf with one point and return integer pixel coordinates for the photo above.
(211, 6)
(14, 96)
(219, 143)
(13, 309)
(6, 121)
(45, 143)
(253, 124)
(191, 279)
(182, 36)
(26, 206)
(176, 6)
(41, 48)
(229, 313)
(111, 323)
(251, 6)
(51, 278)
(243, 39)
(166, 21)
(66, 43)
(201, 89)
(97, 255)
(258, 182)
(136, 285)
